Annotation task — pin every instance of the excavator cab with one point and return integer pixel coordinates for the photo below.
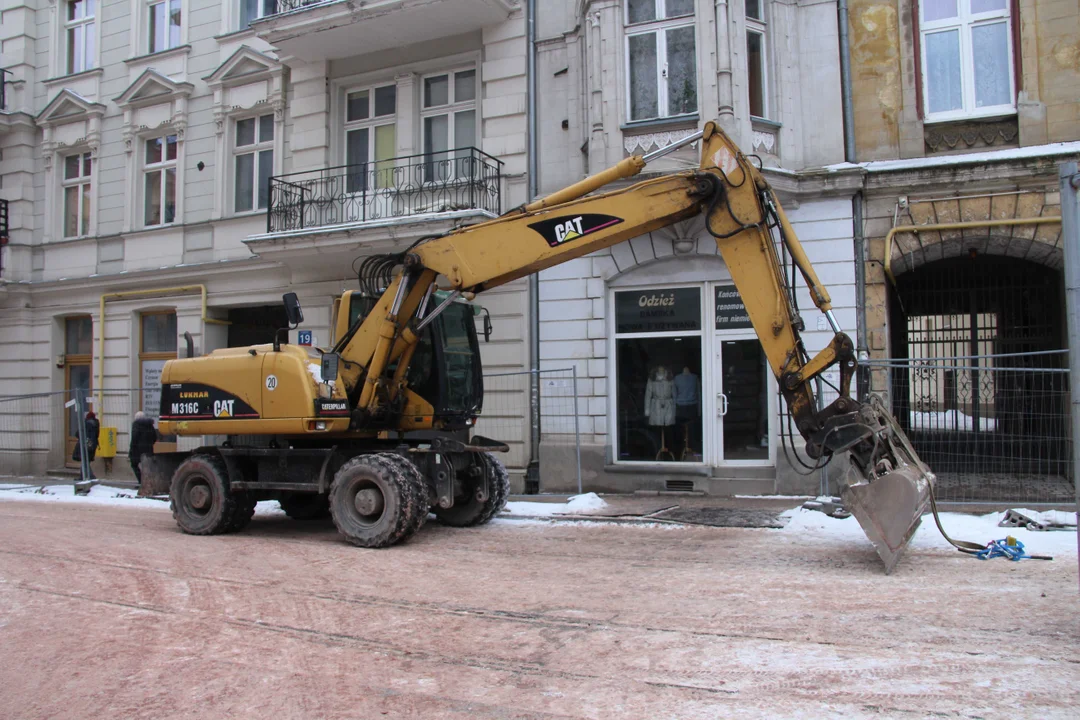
(445, 368)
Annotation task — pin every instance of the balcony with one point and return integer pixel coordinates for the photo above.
(311, 30)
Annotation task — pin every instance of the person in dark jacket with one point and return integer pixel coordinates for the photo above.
(143, 437)
(93, 433)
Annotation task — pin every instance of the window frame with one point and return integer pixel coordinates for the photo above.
(88, 25)
(169, 44)
(256, 149)
(146, 168)
(759, 27)
(659, 27)
(145, 356)
(370, 123)
(260, 14)
(84, 181)
(963, 22)
(452, 107)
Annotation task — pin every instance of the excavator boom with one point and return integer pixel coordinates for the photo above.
(887, 486)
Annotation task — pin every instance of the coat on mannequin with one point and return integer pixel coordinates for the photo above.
(660, 398)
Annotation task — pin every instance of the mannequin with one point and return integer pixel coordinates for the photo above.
(660, 406)
(687, 406)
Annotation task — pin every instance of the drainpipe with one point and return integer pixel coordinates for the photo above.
(862, 349)
(532, 474)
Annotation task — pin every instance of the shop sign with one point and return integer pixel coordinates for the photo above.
(730, 310)
(658, 310)
(151, 386)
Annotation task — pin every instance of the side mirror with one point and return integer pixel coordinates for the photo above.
(329, 367)
(292, 309)
(487, 322)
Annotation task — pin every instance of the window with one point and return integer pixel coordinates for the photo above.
(254, 163)
(79, 26)
(658, 365)
(251, 10)
(164, 25)
(370, 135)
(76, 184)
(966, 58)
(157, 344)
(159, 181)
(449, 120)
(661, 58)
(756, 69)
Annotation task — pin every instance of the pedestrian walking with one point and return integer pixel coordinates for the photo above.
(92, 433)
(143, 437)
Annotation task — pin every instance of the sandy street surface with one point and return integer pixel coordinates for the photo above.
(109, 612)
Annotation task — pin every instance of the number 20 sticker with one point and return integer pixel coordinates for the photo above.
(271, 382)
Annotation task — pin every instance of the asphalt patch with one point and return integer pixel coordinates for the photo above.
(722, 517)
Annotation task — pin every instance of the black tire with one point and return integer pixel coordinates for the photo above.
(467, 510)
(199, 496)
(305, 506)
(394, 494)
(244, 511)
(422, 506)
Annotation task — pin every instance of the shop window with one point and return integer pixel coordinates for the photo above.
(658, 343)
(661, 58)
(157, 344)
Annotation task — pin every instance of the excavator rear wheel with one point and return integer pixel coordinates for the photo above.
(376, 499)
(467, 510)
(199, 496)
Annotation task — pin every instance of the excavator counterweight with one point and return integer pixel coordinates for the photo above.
(378, 428)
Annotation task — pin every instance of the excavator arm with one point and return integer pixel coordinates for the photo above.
(887, 487)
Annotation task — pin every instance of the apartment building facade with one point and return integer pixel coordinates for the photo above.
(963, 111)
(172, 167)
(617, 77)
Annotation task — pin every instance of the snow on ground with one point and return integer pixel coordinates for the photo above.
(99, 495)
(576, 505)
(814, 526)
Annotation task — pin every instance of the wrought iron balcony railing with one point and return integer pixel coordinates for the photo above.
(413, 185)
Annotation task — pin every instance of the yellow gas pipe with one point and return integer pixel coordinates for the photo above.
(954, 226)
(137, 293)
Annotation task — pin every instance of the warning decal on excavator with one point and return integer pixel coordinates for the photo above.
(565, 228)
(194, 401)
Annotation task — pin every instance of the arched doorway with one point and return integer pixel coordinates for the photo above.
(979, 380)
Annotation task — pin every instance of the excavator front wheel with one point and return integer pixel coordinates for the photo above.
(199, 496)
(377, 500)
(468, 510)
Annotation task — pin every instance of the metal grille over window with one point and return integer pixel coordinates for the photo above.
(661, 58)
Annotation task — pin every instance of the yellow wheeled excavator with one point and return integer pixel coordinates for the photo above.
(376, 430)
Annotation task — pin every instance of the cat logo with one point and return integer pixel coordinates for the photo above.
(563, 229)
(223, 408)
(568, 231)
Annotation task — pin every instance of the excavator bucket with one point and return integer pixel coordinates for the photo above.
(889, 501)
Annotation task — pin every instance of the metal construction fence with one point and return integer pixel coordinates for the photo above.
(38, 432)
(994, 428)
(506, 417)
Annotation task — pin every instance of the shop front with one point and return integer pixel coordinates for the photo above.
(692, 387)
